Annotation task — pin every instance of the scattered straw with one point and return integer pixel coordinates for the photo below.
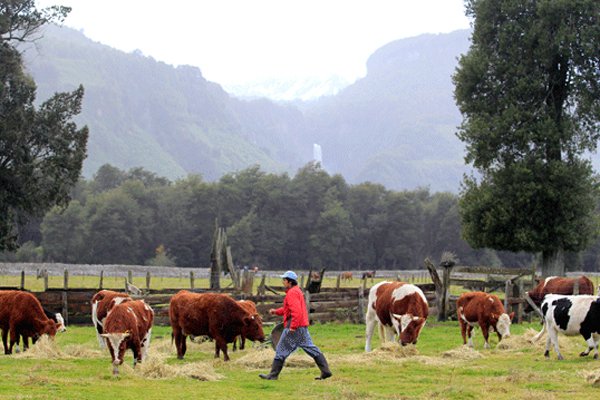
(44, 348)
(263, 358)
(157, 368)
(462, 353)
(592, 377)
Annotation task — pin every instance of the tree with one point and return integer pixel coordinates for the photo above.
(529, 93)
(41, 150)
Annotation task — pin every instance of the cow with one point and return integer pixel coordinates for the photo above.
(22, 314)
(128, 325)
(571, 316)
(558, 285)
(213, 314)
(250, 308)
(346, 276)
(400, 309)
(485, 310)
(368, 274)
(102, 302)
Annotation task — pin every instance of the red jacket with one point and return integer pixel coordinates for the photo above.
(294, 307)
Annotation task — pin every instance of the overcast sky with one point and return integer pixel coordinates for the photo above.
(243, 41)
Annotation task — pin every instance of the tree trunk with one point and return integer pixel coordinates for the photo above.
(553, 263)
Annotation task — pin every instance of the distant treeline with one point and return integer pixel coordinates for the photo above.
(310, 220)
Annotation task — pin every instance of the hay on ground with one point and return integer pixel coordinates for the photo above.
(157, 368)
(44, 348)
(462, 353)
(592, 377)
(263, 358)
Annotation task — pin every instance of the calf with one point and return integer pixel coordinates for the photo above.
(216, 315)
(128, 326)
(21, 314)
(485, 310)
(346, 276)
(102, 302)
(400, 309)
(571, 315)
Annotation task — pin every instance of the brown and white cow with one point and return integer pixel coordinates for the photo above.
(128, 326)
(250, 308)
(485, 310)
(21, 314)
(102, 302)
(558, 285)
(400, 309)
(213, 314)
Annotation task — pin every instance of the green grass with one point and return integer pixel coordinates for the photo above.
(499, 374)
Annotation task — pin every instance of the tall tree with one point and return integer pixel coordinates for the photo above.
(41, 150)
(529, 93)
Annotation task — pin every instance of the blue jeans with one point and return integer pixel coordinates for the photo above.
(290, 341)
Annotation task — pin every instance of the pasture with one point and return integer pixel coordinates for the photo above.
(73, 367)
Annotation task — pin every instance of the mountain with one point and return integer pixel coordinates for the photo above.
(395, 126)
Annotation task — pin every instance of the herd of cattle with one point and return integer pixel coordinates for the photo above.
(399, 309)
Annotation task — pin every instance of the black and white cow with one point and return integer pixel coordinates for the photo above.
(572, 315)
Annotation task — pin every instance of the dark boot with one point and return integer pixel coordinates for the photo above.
(275, 370)
(323, 366)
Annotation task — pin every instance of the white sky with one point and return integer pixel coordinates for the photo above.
(243, 41)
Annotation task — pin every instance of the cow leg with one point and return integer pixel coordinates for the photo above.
(592, 345)
(136, 347)
(463, 330)
(180, 339)
(370, 327)
(242, 342)
(221, 344)
(234, 348)
(5, 340)
(14, 338)
(552, 338)
(485, 329)
(26, 342)
(470, 334)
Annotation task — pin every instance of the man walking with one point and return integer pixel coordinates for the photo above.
(295, 333)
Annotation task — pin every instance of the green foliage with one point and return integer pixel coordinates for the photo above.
(528, 91)
(42, 150)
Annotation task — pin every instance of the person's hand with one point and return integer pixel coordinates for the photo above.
(272, 311)
(292, 330)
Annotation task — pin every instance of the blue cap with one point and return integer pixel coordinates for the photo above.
(290, 275)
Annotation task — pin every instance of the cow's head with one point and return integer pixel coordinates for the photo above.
(44, 327)
(502, 323)
(252, 328)
(60, 323)
(408, 328)
(117, 344)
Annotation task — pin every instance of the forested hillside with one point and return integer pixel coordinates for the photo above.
(395, 126)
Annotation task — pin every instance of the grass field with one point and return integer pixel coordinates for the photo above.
(73, 367)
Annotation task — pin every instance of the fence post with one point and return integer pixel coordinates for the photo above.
(576, 286)
(101, 285)
(46, 281)
(307, 300)
(66, 280)
(361, 304)
(22, 280)
(337, 285)
(506, 294)
(129, 276)
(148, 277)
(520, 307)
(192, 280)
(65, 307)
